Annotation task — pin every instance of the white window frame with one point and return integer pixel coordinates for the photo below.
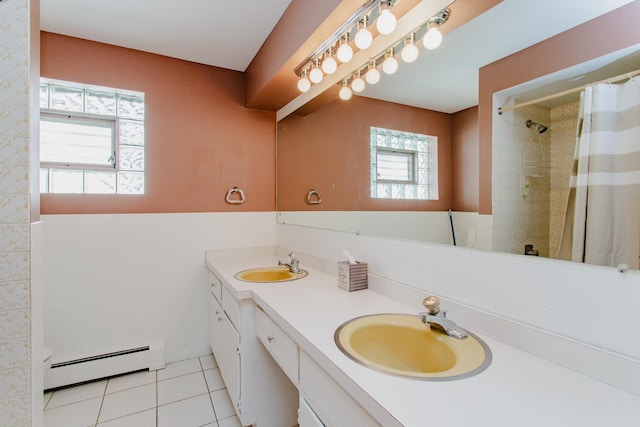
(117, 173)
(424, 148)
(70, 117)
(408, 157)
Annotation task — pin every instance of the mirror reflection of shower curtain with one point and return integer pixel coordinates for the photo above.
(602, 222)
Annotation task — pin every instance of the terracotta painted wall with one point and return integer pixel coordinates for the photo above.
(465, 160)
(610, 32)
(200, 139)
(329, 151)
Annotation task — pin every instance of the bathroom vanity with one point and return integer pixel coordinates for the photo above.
(250, 374)
(288, 330)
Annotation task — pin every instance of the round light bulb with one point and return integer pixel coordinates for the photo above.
(344, 53)
(390, 65)
(315, 75)
(345, 93)
(357, 85)
(364, 38)
(409, 52)
(304, 84)
(432, 38)
(372, 76)
(386, 22)
(329, 65)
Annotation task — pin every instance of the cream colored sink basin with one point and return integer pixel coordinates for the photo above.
(269, 275)
(400, 344)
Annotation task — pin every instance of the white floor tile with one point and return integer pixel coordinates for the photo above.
(135, 379)
(193, 412)
(128, 402)
(177, 369)
(141, 419)
(208, 362)
(222, 404)
(214, 379)
(179, 388)
(79, 414)
(229, 422)
(76, 394)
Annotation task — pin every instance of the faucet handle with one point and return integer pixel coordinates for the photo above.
(432, 304)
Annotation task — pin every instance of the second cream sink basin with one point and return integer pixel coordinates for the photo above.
(269, 275)
(400, 344)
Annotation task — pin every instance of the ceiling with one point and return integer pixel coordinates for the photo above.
(446, 79)
(229, 34)
(225, 34)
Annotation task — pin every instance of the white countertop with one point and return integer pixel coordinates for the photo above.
(517, 389)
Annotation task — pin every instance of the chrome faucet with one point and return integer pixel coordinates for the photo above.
(292, 265)
(434, 318)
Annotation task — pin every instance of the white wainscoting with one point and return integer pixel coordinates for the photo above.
(470, 228)
(114, 281)
(597, 306)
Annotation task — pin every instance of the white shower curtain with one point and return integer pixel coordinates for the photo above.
(602, 223)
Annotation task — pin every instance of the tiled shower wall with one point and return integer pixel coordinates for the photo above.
(564, 120)
(537, 218)
(521, 157)
(15, 303)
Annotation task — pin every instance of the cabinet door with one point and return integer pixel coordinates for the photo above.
(215, 323)
(228, 357)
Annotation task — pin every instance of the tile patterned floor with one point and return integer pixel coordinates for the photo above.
(190, 393)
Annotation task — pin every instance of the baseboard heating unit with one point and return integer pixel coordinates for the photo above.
(105, 365)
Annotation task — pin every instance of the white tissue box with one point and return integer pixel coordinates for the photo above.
(352, 277)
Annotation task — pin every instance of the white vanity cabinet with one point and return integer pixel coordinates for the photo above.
(326, 400)
(282, 348)
(224, 341)
(323, 402)
(260, 392)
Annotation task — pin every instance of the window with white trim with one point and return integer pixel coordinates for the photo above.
(404, 165)
(91, 139)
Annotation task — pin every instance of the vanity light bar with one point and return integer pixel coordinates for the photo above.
(417, 34)
(370, 11)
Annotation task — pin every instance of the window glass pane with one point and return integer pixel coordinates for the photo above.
(66, 98)
(130, 183)
(44, 180)
(44, 96)
(76, 141)
(100, 182)
(130, 107)
(395, 166)
(78, 152)
(131, 158)
(101, 103)
(65, 181)
(403, 165)
(131, 133)
(395, 141)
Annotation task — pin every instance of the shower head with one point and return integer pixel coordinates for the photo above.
(539, 128)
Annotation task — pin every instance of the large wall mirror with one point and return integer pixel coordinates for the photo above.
(325, 152)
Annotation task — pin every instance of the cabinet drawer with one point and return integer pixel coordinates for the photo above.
(278, 344)
(329, 401)
(231, 306)
(216, 286)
